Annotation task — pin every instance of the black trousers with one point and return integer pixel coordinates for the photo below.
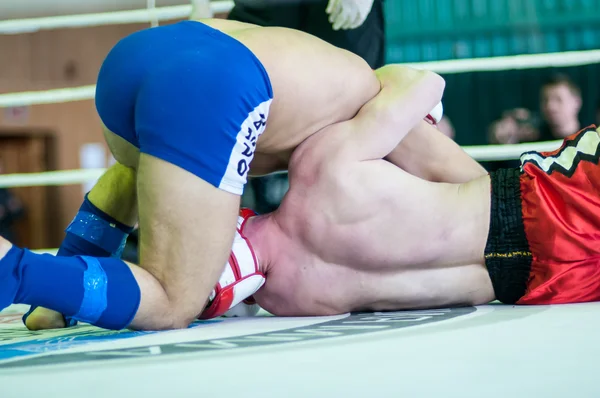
(366, 41)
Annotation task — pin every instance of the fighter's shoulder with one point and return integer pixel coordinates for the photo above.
(320, 156)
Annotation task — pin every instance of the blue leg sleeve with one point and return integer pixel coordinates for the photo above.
(92, 232)
(100, 291)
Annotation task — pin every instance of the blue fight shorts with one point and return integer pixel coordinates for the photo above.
(189, 95)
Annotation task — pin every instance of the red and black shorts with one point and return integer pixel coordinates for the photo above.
(544, 240)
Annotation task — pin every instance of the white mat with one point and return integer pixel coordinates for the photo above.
(489, 351)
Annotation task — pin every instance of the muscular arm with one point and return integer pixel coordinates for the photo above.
(391, 126)
(394, 119)
(406, 97)
(423, 150)
(427, 153)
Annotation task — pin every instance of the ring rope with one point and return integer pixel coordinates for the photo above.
(488, 153)
(50, 178)
(571, 58)
(151, 14)
(29, 25)
(71, 177)
(54, 96)
(511, 62)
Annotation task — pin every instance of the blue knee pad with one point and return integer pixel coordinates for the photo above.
(100, 291)
(93, 232)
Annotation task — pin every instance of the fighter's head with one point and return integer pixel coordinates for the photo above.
(241, 278)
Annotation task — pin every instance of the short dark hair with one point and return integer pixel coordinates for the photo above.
(557, 79)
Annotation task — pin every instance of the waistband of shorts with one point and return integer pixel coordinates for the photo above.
(224, 36)
(507, 253)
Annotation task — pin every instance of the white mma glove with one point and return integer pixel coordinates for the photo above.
(240, 280)
(435, 115)
(348, 14)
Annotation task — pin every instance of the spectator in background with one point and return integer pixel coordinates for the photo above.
(560, 103)
(515, 126)
(354, 25)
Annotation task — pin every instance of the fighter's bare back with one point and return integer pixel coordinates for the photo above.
(369, 236)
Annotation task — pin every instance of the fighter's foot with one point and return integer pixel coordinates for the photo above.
(43, 318)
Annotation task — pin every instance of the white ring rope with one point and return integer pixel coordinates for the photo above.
(55, 96)
(28, 25)
(155, 15)
(71, 177)
(512, 62)
(487, 153)
(572, 58)
(50, 178)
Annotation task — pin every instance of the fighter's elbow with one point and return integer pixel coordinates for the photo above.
(181, 320)
(176, 315)
(407, 93)
(437, 80)
(433, 85)
(394, 76)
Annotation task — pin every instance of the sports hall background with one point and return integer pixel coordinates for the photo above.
(57, 136)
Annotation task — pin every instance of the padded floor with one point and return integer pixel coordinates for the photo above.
(487, 351)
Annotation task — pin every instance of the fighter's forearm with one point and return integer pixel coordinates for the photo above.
(407, 95)
(424, 151)
(427, 153)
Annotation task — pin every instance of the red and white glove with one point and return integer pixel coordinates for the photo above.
(239, 281)
(435, 115)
